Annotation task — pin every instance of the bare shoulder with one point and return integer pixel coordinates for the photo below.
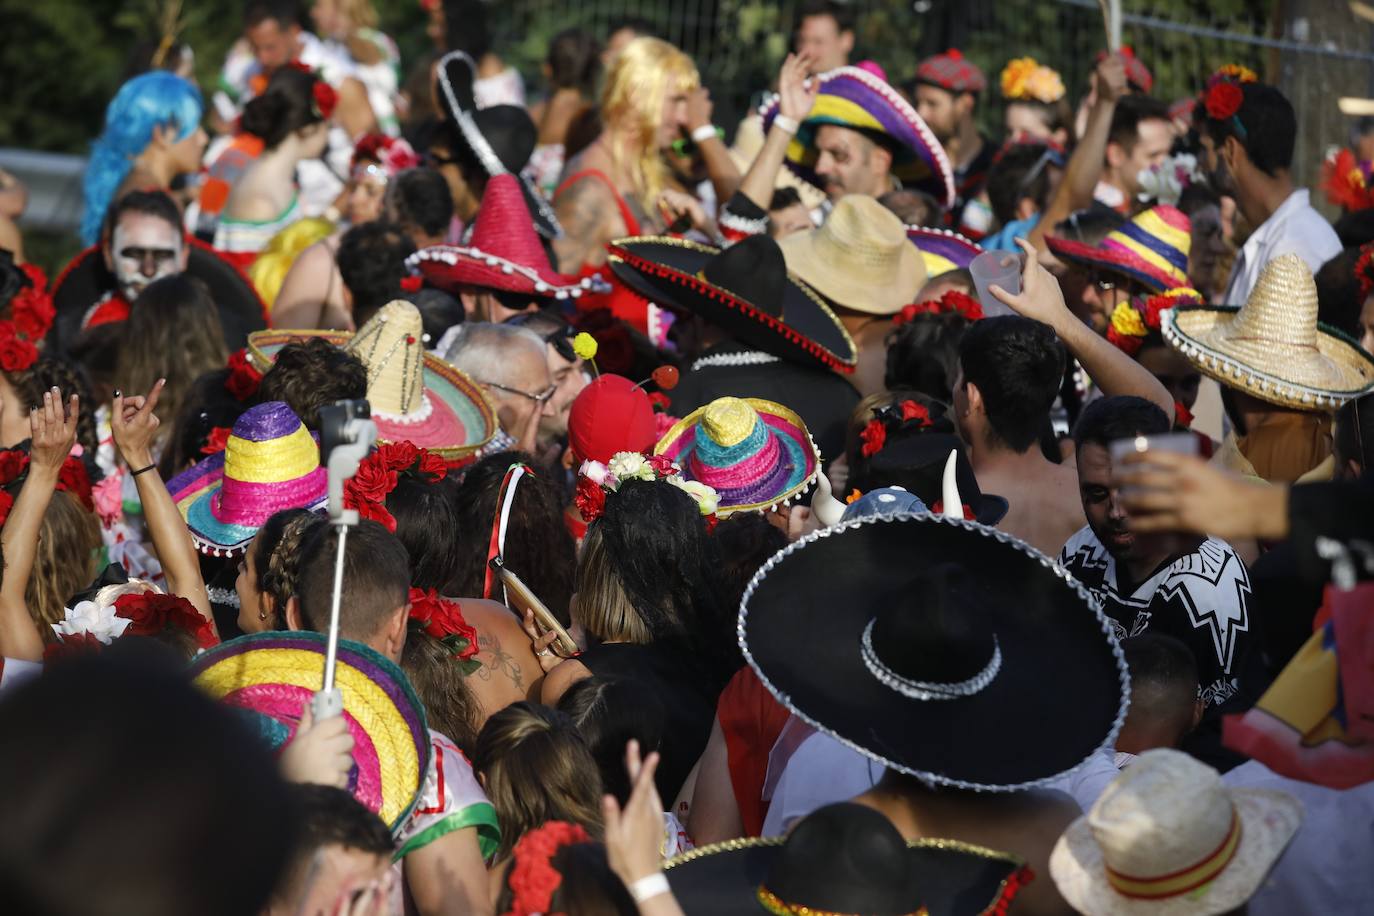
(509, 671)
(563, 676)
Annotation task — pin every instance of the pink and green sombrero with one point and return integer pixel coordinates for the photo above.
(1151, 249)
(854, 98)
(754, 453)
(414, 395)
(270, 463)
(272, 676)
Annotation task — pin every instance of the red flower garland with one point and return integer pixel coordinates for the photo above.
(1223, 100)
(1126, 343)
(443, 619)
(952, 302)
(1364, 270)
(590, 499)
(244, 379)
(533, 879)
(72, 477)
(151, 614)
(31, 308)
(379, 473)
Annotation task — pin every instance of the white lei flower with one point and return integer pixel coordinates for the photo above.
(86, 617)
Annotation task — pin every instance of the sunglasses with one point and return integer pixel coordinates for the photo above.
(560, 338)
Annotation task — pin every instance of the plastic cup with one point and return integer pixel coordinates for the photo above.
(1002, 268)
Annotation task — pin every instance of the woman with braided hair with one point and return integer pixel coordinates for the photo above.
(269, 569)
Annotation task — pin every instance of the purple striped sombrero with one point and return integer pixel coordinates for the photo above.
(943, 250)
(273, 675)
(854, 98)
(1151, 249)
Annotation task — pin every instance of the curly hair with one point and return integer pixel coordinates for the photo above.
(450, 706)
(277, 557)
(427, 524)
(310, 374)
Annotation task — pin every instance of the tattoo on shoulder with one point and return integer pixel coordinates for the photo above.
(496, 659)
(584, 209)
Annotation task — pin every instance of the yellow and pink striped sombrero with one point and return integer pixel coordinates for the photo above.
(1151, 249)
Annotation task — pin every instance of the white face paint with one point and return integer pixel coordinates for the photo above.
(144, 248)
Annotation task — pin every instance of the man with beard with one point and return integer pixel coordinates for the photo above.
(1248, 131)
(946, 91)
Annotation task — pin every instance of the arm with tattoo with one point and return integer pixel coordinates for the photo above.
(590, 218)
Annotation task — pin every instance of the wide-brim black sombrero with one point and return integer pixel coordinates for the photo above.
(85, 281)
(668, 271)
(954, 878)
(1057, 696)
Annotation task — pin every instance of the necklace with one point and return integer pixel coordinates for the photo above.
(740, 358)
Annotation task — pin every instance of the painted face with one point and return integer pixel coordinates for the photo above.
(144, 248)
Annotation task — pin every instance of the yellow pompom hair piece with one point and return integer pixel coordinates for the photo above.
(584, 345)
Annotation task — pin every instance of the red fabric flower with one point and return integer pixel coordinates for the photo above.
(1223, 100)
(16, 353)
(74, 645)
(325, 99)
(962, 303)
(1155, 307)
(590, 499)
(939, 507)
(874, 436)
(31, 308)
(13, 464)
(907, 313)
(217, 441)
(150, 614)
(74, 479)
(432, 466)
(243, 379)
(396, 456)
(659, 401)
(1183, 417)
(370, 146)
(6, 504)
(412, 284)
(443, 619)
(1126, 343)
(911, 410)
(663, 465)
(1364, 270)
(533, 880)
(368, 489)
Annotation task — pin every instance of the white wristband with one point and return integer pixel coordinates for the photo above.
(649, 886)
(784, 123)
(703, 133)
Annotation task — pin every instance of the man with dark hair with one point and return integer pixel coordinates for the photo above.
(946, 92)
(1193, 588)
(787, 214)
(418, 201)
(1164, 702)
(376, 586)
(372, 262)
(311, 374)
(1019, 190)
(1140, 137)
(825, 31)
(1249, 155)
(341, 848)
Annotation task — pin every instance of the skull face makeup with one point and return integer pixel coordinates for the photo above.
(144, 248)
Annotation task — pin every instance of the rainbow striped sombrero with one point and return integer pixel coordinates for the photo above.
(1151, 249)
(943, 250)
(270, 463)
(854, 98)
(273, 675)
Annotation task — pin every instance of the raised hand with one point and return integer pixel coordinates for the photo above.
(1040, 297)
(52, 427)
(796, 92)
(135, 425)
(634, 834)
(1109, 80)
(699, 108)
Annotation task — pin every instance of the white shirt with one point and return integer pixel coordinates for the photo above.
(1294, 228)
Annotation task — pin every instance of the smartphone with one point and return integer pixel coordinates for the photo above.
(521, 598)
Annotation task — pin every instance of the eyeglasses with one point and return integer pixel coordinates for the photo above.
(684, 146)
(541, 398)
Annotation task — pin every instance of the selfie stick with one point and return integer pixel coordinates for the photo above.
(356, 436)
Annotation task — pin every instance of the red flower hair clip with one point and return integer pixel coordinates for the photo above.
(533, 879)
(323, 99)
(244, 379)
(72, 478)
(1364, 270)
(217, 441)
(379, 473)
(443, 619)
(1223, 100)
(953, 302)
(412, 284)
(31, 309)
(151, 614)
(890, 419)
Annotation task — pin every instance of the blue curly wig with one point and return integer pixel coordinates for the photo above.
(149, 100)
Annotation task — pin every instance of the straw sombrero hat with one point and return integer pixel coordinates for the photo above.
(1151, 249)
(415, 396)
(943, 250)
(755, 454)
(844, 858)
(273, 675)
(855, 98)
(1273, 348)
(269, 463)
(1168, 838)
(859, 258)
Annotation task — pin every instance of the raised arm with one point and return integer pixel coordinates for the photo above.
(720, 168)
(796, 95)
(1113, 371)
(53, 432)
(135, 426)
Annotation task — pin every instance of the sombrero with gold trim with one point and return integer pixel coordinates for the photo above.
(754, 453)
(1273, 347)
(415, 396)
(274, 675)
(1152, 249)
(840, 859)
(857, 99)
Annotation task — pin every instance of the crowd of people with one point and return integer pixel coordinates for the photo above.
(725, 475)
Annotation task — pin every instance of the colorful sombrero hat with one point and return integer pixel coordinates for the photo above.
(504, 252)
(273, 675)
(1151, 249)
(854, 98)
(270, 463)
(415, 396)
(844, 858)
(943, 250)
(755, 454)
(745, 289)
(1273, 347)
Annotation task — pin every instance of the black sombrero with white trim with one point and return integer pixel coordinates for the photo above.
(940, 648)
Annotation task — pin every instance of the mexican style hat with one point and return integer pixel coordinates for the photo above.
(943, 250)
(1152, 249)
(269, 463)
(272, 676)
(414, 395)
(952, 72)
(503, 254)
(755, 454)
(844, 859)
(884, 631)
(744, 289)
(857, 99)
(1273, 348)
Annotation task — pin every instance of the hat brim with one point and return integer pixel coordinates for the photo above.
(272, 675)
(868, 294)
(1303, 379)
(667, 271)
(461, 419)
(798, 447)
(954, 878)
(449, 267)
(1268, 821)
(943, 250)
(1128, 265)
(802, 620)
